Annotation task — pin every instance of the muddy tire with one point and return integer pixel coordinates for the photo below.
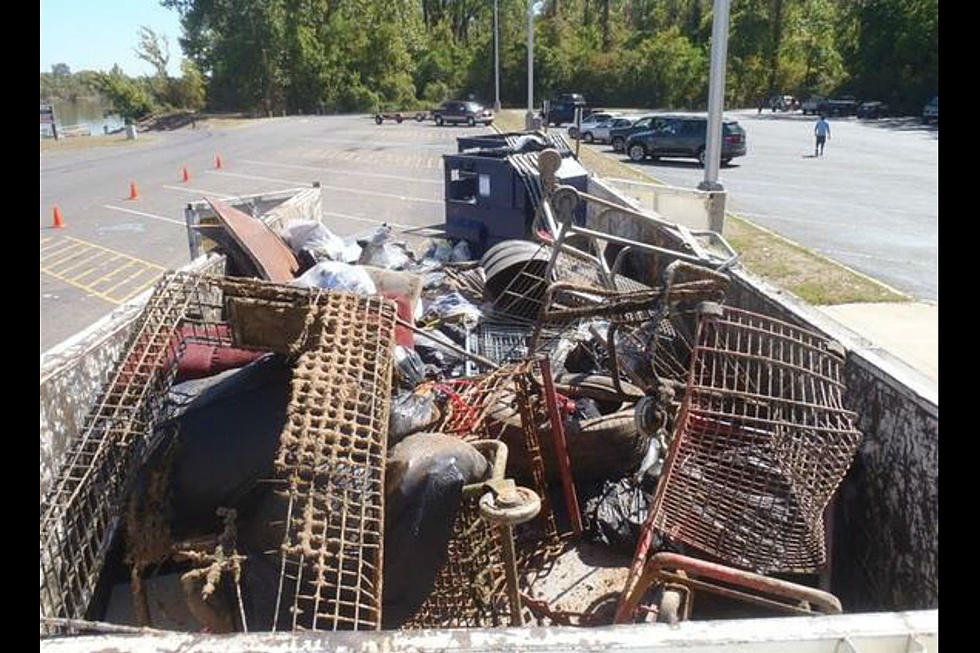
(378, 120)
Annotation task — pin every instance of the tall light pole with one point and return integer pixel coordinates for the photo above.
(529, 118)
(716, 94)
(496, 59)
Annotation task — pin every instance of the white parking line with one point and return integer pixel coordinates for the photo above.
(198, 191)
(356, 191)
(344, 172)
(145, 215)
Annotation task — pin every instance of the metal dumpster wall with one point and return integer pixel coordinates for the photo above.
(868, 633)
(886, 523)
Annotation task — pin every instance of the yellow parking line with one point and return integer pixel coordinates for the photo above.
(95, 266)
(75, 253)
(146, 285)
(81, 286)
(59, 250)
(129, 278)
(93, 255)
(113, 273)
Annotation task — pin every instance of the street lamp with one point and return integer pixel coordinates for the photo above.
(529, 118)
(716, 94)
(496, 59)
(716, 101)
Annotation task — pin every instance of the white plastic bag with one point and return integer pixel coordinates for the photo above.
(334, 275)
(320, 242)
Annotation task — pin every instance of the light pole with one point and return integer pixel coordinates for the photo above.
(496, 59)
(716, 94)
(529, 118)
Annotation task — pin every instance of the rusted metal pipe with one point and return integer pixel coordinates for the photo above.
(660, 563)
(561, 447)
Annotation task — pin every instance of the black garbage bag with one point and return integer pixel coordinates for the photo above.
(424, 480)
(586, 408)
(411, 413)
(227, 429)
(409, 368)
(615, 515)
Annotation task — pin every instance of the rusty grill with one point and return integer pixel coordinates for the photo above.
(762, 443)
(331, 457)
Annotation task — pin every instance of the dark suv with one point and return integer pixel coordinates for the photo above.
(562, 108)
(457, 112)
(686, 137)
(618, 135)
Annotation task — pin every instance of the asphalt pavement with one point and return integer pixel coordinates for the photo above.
(870, 202)
(112, 248)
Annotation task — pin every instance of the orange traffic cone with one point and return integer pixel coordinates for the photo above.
(217, 161)
(58, 222)
(133, 191)
(187, 176)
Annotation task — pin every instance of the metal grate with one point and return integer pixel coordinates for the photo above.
(331, 457)
(471, 589)
(762, 443)
(81, 511)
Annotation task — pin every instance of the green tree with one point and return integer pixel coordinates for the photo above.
(127, 97)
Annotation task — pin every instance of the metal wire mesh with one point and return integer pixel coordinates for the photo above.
(81, 511)
(762, 443)
(471, 589)
(332, 451)
(332, 455)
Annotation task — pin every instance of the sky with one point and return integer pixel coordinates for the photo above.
(95, 34)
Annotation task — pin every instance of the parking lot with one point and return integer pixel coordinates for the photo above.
(871, 202)
(112, 248)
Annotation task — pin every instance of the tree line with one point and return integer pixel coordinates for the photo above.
(307, 56)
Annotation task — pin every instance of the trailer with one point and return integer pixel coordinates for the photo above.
(399, 116)
(882, 535)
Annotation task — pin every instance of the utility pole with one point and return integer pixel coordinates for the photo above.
(716, 105)
(529, 118)
(716, 94)
(496, 59)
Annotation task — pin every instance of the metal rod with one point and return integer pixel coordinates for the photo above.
(529, 122)
(513, 591)
(561, 447)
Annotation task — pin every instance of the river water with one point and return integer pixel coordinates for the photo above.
(84, 114)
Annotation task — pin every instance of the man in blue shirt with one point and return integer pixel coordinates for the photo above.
(822, 130)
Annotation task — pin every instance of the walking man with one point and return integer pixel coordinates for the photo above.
(822, 130)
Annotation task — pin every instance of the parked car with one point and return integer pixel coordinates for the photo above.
(562, 108)
(873, 110)
(685, 137)
(782, 103)
(930, 112)
(618, 135)
(815, 105)
(590, 124)
(601, 133)
(845, 106)
(455, 112)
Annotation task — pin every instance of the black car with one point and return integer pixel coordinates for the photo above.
(618, 135)
(562, 108)
(873, 110)
(458, 112)
(685, 137)
(845, 106)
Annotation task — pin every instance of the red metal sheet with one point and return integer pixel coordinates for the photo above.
(272, 257)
